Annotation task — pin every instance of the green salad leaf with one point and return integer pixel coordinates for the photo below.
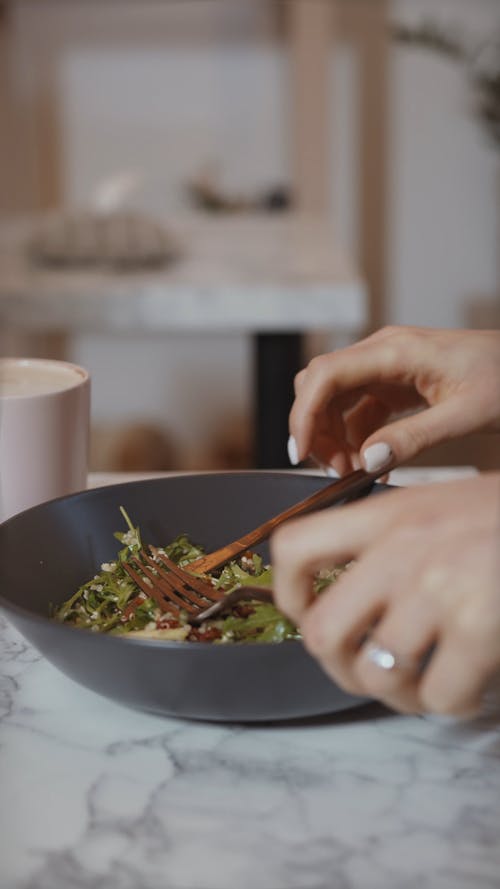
(110, 602)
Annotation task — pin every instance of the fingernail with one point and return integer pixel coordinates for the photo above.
(330, 471)
(293, 454)
(377, 456)
(325, 467)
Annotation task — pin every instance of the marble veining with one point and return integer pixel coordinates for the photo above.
(96, 796)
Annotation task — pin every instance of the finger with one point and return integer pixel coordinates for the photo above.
(369, 603)
(329, 376)
(335, 624)
(303, 546)
(365, 418)
(334, 461)
(390, 664)
(400, 441)
(456, 677)
(331, 537)
(298, 380)
(330, 445)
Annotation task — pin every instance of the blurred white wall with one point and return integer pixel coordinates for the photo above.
(165, 109)
(445, 175)
(166, 113)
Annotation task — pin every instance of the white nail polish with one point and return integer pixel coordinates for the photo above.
(293, 454)
(377, 456)
(330, 471)
(325, 467)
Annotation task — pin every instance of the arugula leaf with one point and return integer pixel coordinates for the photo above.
(264, 624)
(112, 603)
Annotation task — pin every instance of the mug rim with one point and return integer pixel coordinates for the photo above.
(82, 374)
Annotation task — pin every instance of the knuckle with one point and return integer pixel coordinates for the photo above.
(299, 379)
(390, 356)
(317, 362)
(383, 333)
(320, 367)
(393, 344)
(391, 330)
(473, 623)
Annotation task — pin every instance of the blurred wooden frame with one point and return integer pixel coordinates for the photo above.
(31, 151)
(314, 25)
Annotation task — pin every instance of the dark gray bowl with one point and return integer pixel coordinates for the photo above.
(48, 551)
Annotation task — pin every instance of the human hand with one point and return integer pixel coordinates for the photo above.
(425, 578)
(344, 400)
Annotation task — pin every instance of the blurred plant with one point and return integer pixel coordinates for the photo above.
(481, 62)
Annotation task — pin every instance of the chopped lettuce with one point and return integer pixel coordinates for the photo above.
(112, 603)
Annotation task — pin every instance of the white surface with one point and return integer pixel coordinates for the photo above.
(96, 796)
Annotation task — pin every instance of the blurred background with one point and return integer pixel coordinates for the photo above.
(198, 196)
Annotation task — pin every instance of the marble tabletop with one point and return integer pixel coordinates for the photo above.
(96, 796)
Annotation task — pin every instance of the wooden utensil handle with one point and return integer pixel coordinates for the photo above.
(350, 485)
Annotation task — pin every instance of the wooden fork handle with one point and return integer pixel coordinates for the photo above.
(348, 486)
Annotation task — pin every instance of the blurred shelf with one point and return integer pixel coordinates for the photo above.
(274, 278)
(236, 273)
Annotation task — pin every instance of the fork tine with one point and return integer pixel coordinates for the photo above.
(163, 586)
(203, 587)
(172, 587)
(151, 591)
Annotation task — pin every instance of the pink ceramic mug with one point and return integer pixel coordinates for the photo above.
(44, 431)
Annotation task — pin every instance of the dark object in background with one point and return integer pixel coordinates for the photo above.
(205, 194)
(69, 539)
(279, 198)
(277, 359)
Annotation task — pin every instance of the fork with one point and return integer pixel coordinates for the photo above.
(176, 591)
(348, 486)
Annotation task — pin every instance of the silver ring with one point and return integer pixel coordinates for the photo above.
(387, 659)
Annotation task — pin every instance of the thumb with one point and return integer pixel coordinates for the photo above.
(405, 438)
